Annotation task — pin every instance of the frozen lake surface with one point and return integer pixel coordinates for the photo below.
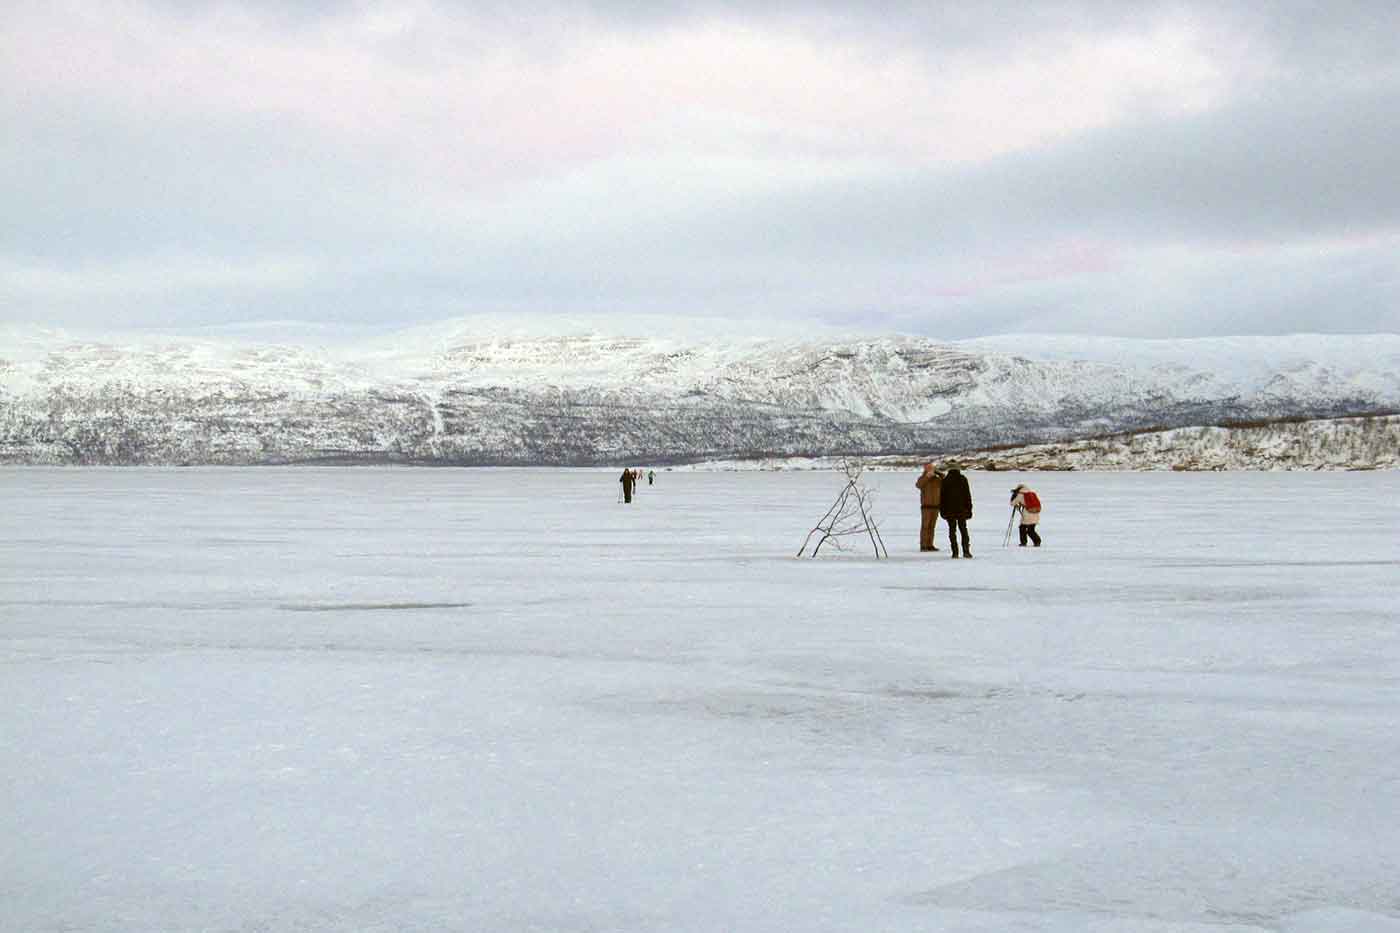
(414, 700)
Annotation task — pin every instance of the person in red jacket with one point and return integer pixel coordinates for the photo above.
(1025, 501)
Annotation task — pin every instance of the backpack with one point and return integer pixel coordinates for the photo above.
(1031, 500)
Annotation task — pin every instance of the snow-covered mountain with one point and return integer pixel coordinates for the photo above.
(460, 393)
(1364, 443)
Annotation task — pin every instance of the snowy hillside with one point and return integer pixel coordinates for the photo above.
(1325, 444)
(476, 394)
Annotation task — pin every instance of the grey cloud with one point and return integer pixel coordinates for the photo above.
(84, 185)
(1295, 163)
(1338, 35)
(1324, 38)
(1335, 36)
(1271, 292)
(1285, 164)
(1308, 160)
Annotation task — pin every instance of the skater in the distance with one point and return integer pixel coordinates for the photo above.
(956, 504)
(651, 477)
(930, 483)
(627, 480)
(1025, 501)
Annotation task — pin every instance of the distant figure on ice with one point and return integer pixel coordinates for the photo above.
(1025, 501)
(651, 477)
(956, 503)
(930, 483)
(627, 480)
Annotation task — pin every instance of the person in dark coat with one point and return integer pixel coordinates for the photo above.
(627, 480)
(930, 483)
(956, 505)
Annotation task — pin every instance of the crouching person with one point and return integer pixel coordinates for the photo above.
(1025, 501)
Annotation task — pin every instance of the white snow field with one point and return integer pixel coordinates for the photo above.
(418, 700)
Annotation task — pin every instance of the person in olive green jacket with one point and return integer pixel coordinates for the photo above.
(930, 484)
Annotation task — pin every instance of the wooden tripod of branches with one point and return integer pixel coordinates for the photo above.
(850, 514)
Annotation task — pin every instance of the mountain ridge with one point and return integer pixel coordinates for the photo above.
(455, 395)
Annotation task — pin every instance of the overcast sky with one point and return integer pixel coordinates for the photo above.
(959, 169)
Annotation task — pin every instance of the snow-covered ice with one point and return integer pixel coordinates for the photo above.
(393, 699)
